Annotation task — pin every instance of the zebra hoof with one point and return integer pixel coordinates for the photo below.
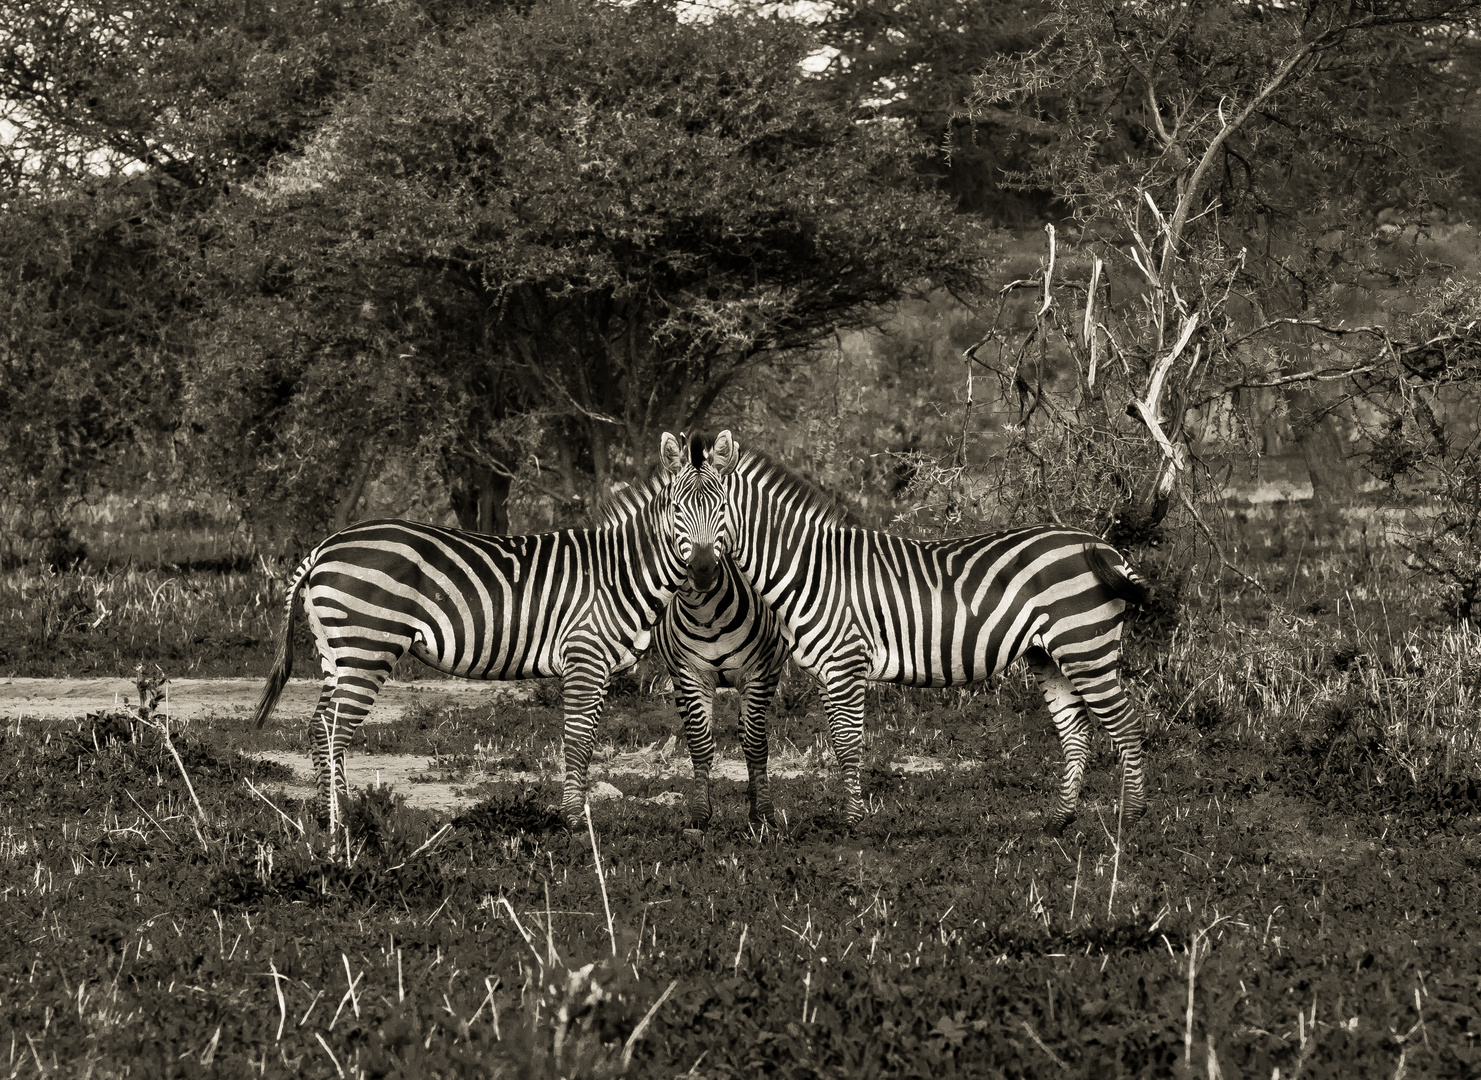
(700, 811)
(575, 819)
(1132, 814)
(325, 818)
(1056, 824)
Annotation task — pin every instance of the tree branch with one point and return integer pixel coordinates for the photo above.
(1190, 194)
(1323, 375)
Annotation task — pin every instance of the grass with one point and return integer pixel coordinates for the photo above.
(1300, 898)
(1317, 935)
(92, 621)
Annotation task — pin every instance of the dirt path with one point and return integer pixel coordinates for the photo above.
(662, 772)
(190, 699)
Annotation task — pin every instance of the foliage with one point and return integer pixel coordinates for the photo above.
(468, 241)
(92, 324)
(124, 125)
(591, 216)
(1425, 442)
(198, 93)
(915, 62)
(1208, 154)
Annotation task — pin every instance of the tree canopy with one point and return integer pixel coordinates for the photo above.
(535, 233)
(1217, 159)
(593, 215)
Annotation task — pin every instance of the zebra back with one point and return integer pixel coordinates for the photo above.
(931, 613)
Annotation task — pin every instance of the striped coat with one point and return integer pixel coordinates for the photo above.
(861, 605)
(578, 604)
(721, 636)
(725, 637)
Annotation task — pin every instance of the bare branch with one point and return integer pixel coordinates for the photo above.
(1154, 385)
(1323, 375)
(1048, 274)
(1377, 331)
(1205, 163)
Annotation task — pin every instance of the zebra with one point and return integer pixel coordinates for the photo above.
(725, 635)
(579, 604)
(862, 606)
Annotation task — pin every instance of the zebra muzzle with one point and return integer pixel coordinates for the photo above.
(704, 568)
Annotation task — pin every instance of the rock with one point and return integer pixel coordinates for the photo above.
(602, 791)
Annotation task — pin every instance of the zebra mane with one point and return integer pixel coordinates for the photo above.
(797, 490)
(619, 505)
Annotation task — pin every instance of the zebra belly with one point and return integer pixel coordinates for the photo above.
(432, 660)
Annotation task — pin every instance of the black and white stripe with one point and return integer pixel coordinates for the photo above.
(861, 605)
(578, 605)
(724, 635)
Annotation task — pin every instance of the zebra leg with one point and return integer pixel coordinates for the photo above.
(343, 703)
(694, 693)
(844, 691)
(1125, 729)
(1099, 687)
(756, 700)
(319, 757)
(1067, 711)
(583, 688)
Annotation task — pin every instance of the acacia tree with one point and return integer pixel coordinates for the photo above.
(199, 92)
(124, 126)
(590, 216)
(914, 62)
(1208, 152)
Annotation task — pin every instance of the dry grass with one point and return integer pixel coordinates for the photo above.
(89, 620)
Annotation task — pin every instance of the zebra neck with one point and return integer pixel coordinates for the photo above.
(643, 573)
(783, 554)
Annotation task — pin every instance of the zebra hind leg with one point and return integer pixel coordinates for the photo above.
(1067, 710)
(1101, 690)
(343, 705)
(695, 696)
(1126, 734)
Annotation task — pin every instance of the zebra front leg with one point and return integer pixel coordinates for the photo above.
(845, 708)
(583, 691)
(756, 699)
(694, 693)
(1067, 710)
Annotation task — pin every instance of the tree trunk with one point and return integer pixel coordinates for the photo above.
(1140, 521)
(1321, 448)
(601, 464)
(345, 512)
(480, 499)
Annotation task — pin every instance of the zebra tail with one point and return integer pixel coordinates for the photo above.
(1119, 578)
(283, 665)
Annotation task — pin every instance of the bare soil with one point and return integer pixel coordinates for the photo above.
(190, 699)
(427, 782)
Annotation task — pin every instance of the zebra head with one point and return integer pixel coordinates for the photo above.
(698, 470)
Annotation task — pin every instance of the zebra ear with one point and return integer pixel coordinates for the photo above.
(670, 454)
(725, 454)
